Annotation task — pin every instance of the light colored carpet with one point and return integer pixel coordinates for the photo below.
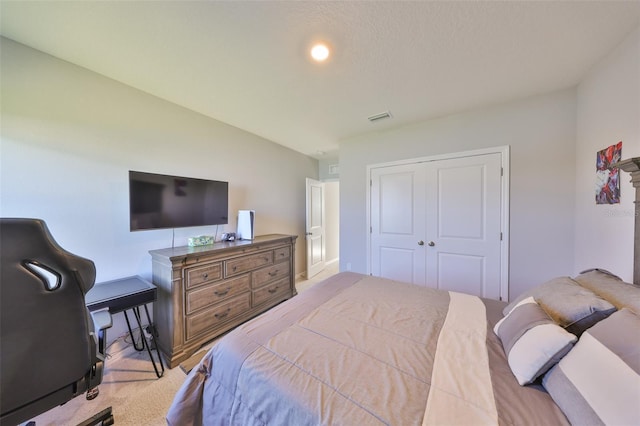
(194, 359)
(129, 386)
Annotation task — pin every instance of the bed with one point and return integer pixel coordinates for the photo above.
(362, 350)
(357, 349)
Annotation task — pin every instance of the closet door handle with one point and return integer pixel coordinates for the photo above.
(431, 244)
(420, 243)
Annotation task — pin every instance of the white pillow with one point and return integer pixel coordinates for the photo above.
(532, 342)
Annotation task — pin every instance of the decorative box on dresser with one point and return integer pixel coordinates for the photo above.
(205, 291)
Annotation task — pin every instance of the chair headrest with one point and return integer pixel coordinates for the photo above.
(28, 241)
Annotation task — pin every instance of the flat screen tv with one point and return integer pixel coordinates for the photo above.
(163, 201)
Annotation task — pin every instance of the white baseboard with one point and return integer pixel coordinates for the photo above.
(303, 275)
(330, 262)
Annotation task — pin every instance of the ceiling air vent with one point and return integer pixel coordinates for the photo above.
(380, 116)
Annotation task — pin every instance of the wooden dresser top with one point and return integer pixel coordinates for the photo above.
(219, 247)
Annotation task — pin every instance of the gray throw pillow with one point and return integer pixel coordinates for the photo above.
(611, 288)
(571, 306)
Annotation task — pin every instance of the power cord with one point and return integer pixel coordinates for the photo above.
(128, 339)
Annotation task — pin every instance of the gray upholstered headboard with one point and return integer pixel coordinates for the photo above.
(632, 166)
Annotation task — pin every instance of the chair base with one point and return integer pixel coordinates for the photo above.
(104, 418)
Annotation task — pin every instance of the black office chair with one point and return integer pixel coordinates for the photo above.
(49, 346)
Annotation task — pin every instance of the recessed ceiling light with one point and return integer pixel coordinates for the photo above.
(320, 52)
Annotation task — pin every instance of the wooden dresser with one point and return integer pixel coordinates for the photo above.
(206, 291)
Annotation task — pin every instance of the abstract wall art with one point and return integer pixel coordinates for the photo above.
(607, 177)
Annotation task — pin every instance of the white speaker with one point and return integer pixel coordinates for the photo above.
(245, 224)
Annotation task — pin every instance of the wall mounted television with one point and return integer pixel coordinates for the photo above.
(161, 201)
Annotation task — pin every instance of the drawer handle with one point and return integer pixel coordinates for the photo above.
(222, 293)
(273, 273)
(282, 254)
(222, 315)
(273, 290)
(266, 259)
(205, 276)
(234, 268)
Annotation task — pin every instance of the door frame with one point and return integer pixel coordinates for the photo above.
(505, 152)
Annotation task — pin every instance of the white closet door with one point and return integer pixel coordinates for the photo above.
(463, 224)
(397, 222)
(438, 223)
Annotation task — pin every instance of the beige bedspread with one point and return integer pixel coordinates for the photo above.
(360, 350)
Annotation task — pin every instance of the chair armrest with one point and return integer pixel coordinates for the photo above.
(101, 319)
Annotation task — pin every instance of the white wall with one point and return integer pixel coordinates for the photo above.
(325, 165)
(541, 133)
(69, 137)
(332, 220)
(332, 207)
(608, 112)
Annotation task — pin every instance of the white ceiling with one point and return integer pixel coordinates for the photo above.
(246, 63)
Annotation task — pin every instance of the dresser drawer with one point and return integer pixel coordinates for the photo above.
(247, 263)
(281, 253)
(209, 318)
(271, 291)
(270, 273)
(216, 293)
(203, 274)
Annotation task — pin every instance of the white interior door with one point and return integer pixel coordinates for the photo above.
(397, 222)
(315, 227)
(439, 223)
(464, 224)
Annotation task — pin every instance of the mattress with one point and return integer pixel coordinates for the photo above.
(357, 349)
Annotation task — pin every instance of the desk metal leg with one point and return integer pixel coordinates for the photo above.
(133, 339)
(144, 342)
